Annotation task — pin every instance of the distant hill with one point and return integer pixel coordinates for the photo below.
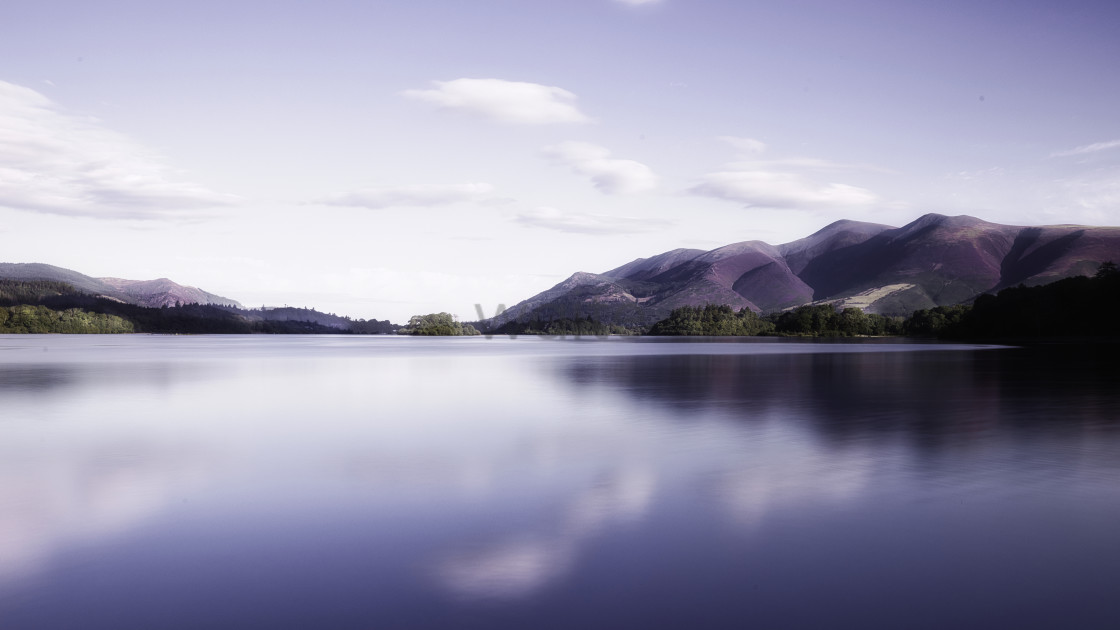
(150, 293)
(293, 314)
(936, 260)
(165, 306)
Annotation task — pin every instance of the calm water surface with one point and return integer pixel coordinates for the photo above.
(377, 483)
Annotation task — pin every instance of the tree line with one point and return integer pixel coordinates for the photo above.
(49, 300)
(25, 318)
(562, 327)
(31, 291)
(819, 320)
(1073, 307)
(715, 320)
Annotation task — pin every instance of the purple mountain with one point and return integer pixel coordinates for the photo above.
(935, 261)
(150, 293)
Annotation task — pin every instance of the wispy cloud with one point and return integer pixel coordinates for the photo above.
(978, 174)
(638, 2)
(505, 101)
(424, 196)
(58, 163)
(610, 175)
(1088, 198)
(579, 223)
(784, 183)
(803, 164)
(748, 146)
(775, 189)
(1088, 148)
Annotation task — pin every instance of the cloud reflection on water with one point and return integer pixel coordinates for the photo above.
(528, 561)
(750, 493)
(62, 501)
(85, 456)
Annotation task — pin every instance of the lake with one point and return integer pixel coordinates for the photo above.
(382, 482)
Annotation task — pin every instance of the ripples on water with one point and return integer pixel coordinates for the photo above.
(280, 482)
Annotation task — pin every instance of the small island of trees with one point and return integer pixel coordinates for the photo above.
(437, 325)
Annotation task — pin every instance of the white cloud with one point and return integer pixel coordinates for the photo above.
(610, 175)
(636, 3)
(389, 196)
(774, 189)
(749, 146)
(577, 223)
(53, 162)
(783, 183)
(1088, 148)
(505, 101)
(804, 164)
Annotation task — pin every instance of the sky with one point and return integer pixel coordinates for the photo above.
(381, 159)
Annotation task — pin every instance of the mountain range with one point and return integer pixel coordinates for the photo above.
(143, 302)
(149, 293)
(936, 260)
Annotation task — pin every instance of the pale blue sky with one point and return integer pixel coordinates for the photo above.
(380, 159)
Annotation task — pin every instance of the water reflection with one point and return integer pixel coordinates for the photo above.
(933, 397)
(50, 502)
(527, 561)
(33, 380)
(423, 482)
(749, 492)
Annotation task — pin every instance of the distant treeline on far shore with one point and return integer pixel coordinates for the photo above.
(1075, 307)
(54, 307)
